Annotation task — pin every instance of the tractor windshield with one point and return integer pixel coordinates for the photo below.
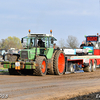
(30, 42)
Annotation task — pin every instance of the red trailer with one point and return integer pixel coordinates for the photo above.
(87, 58)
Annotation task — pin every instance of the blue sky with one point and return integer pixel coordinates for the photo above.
(64, 17)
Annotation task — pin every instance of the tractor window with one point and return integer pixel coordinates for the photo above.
(32, 43)
(28, 42)
(47, 42)
(50, 42)
(24, 44)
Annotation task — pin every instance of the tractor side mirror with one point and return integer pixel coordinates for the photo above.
(52, 41)
(22, 40)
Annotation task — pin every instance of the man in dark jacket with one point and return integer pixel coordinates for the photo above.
(90, 44)
(40, 43)
(83, 44)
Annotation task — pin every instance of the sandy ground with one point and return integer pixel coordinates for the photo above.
(51, 87)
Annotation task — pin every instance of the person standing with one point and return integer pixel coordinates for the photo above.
(90, 44)
(83, 44)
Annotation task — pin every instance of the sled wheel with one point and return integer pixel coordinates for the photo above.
(70, 67)
(88, 68)
(94, 66)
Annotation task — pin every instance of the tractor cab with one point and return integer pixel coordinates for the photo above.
(37, 45)
(38, 40)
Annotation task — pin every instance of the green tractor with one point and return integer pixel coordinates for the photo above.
(38, 57)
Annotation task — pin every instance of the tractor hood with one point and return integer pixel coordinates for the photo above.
(28, 54)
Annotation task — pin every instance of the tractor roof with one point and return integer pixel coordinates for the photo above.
(40, 35)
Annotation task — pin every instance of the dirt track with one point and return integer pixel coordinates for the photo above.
(49, 87)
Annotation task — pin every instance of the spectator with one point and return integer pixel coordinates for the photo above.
(83, 44)
(4, 56)
(90, 44)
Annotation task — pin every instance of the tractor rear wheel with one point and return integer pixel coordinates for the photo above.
(41, 69)
(88, 68)
(50, 70)
(59, 63)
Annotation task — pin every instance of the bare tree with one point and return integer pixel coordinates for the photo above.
(61, 43)
(72, 42)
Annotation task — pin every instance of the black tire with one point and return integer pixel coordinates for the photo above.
(50, 70)
(12, 71)
(94, 66)
(13, 58)
(88, 68)
(59, 63)
(70, 68)
(39, 71)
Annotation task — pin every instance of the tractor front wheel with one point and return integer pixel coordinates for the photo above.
(41, 68)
